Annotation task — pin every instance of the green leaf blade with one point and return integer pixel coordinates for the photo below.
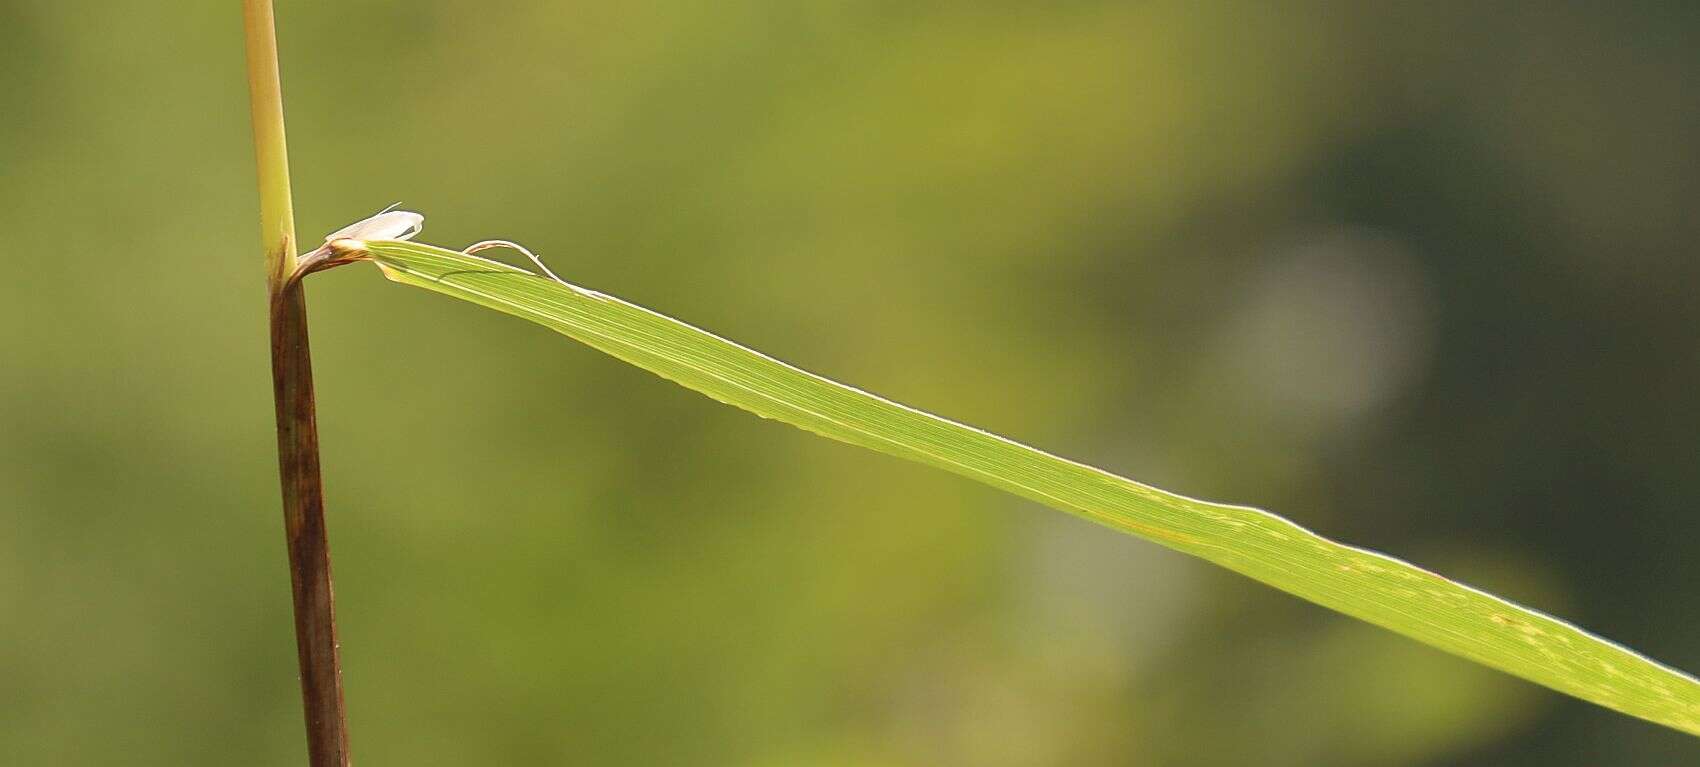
(1373, 587)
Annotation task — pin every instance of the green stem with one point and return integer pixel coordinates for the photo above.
(297, 428)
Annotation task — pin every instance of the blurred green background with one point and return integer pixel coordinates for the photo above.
(1421, 277)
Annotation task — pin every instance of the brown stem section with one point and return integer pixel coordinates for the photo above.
(304, 524)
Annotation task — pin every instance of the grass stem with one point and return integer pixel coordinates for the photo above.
(297, 427)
